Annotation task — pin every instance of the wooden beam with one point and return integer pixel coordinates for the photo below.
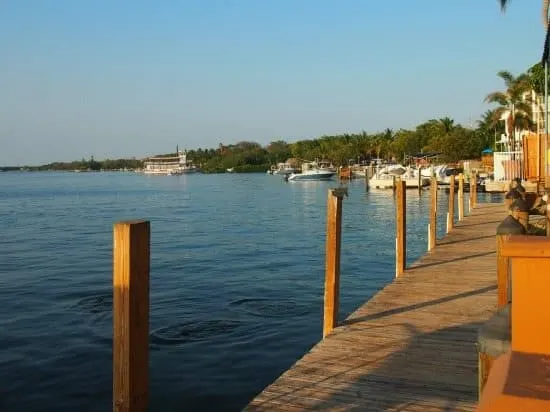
(131, 260)
(460, 197)
(451, 214)
(432, 227)
(401, 228)
(332, 264)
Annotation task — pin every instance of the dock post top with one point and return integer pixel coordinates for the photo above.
(134, 222)
(519, 205)
(510, 226)
(339, 191)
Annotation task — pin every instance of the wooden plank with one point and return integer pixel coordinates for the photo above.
(411, 347)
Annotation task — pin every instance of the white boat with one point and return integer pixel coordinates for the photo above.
(442, 173)
(282, 169)
(230, 170)
(384, 178)
(312, 171)
(169, 165)
(358, 170)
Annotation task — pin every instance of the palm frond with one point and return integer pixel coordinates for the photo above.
(507, 77)
(497, 97)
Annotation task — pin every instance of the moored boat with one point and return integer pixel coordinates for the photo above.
(312, 171)
(385, 178)
(169, 165)
(282, 169)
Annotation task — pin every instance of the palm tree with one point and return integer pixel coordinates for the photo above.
(512, 101)
(447, 125)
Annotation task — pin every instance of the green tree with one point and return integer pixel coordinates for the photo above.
(512, 101)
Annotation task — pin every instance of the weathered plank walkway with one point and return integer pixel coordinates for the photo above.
(412, 346)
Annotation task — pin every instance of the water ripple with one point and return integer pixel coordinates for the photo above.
(193, 331)
(270, 308)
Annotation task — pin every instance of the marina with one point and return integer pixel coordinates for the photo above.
(417, 344)
(258, 207)
(354, 365)
(440, 336)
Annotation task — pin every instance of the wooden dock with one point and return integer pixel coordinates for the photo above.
(412, 347)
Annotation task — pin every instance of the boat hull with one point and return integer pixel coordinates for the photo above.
(312, 176)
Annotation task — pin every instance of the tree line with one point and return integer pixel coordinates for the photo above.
(453, 141)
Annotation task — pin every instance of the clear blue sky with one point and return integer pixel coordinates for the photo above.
(114, 78)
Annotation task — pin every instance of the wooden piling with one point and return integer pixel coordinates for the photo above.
(419, 180)
(401, 228)
(460, 197)
(131, 260)
(432, 227)
(451, 213)
(332, 268)
(473, 190)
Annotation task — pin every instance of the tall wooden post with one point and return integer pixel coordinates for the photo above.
(332, 268)
(432, 226)
(473, 190)
(131, 259)
(419, 180)
(401, 228)
(451, 213)
(460, 197)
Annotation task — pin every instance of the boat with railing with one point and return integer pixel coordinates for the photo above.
(169, 165)
(313, 171)
(384, 178)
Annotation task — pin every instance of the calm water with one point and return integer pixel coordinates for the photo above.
(237, 266)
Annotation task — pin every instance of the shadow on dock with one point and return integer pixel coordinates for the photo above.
(443, 262)
(398, 382)
(351, 321)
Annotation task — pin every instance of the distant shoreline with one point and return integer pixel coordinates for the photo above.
(35, 170)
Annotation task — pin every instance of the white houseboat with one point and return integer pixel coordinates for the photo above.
(170, 165)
